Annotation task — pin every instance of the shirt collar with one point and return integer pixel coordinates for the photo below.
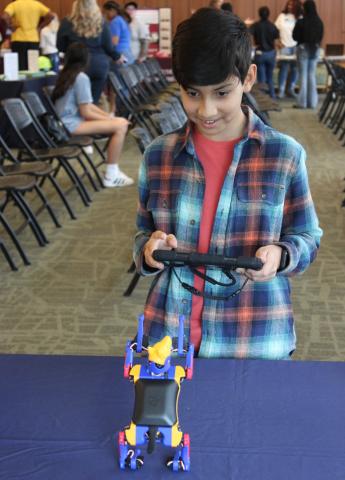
(255, 131)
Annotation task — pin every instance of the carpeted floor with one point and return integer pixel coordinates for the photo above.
(69, 301)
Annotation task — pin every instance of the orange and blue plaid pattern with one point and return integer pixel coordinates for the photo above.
(265, 200)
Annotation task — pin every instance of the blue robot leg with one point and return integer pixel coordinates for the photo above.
(181, 459)
(129, 457)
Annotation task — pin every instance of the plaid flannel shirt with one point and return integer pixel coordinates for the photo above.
(265, 199)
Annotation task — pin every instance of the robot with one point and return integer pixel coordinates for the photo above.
(157, 385)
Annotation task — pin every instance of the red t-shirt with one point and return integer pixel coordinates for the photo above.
(216, 158)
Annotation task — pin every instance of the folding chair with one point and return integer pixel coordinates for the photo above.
(142, 137)
(39, 113)
(26, 132)
(40, 170)
(132, 111)
(14, 188)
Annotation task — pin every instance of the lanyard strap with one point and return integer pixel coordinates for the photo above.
(199, 293)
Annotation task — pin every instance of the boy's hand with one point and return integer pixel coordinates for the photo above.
(158, 241)
(270, 256)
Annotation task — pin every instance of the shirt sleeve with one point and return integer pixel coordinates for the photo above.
(143, 31)
(82, 88)
(10, 9)
(115, 28)
(145, 223)
(43, 9)
(301, 233)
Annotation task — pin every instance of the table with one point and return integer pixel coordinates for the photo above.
(13, 88)
(248, 420)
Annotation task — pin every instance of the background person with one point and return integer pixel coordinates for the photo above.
(48, 38)
(119, 28)
(139, 33)
(86, 25)
(285, 23)
(73, 100)
(26, 18)
(308, 33)
(265, 33)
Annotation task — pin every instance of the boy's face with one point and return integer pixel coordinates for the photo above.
(216, 109)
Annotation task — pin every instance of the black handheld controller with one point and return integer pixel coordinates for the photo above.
(176, 258)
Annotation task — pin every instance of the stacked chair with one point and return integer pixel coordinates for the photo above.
(332, 111)
(38, 160)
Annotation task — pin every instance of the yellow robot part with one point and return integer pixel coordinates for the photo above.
(160, 351)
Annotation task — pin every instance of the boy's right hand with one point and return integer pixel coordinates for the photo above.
(158, 241)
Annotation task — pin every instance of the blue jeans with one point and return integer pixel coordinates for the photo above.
(265, 62)
(285, 66)
(307, 61)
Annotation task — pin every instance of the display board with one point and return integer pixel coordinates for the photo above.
(158, 24)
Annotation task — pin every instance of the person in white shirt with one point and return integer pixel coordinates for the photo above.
(285, 23)
(139, 33)
(48, 36)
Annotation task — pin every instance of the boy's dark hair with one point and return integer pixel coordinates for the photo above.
(264, 13)
(227, 7)
(131, 4)
(209, 47)
(75, 61)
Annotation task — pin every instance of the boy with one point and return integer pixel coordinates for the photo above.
(225, 184)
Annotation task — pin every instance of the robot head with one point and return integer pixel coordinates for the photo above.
(159, 356)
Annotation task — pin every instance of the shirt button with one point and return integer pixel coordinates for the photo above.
(263, 195)
(184, 301)
(192, 222)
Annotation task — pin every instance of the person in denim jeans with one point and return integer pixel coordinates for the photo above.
(285, 23)
(308, 33)
(265, 33)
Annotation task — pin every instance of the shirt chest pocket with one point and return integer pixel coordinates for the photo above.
(163, 211)
(263, 194)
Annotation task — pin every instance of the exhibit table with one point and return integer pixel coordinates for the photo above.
(247, 420)
(13, 88)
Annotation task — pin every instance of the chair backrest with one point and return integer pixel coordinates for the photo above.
(128, 76)
(142, 137)
(34, 103)
(162, 122)
(17, 113)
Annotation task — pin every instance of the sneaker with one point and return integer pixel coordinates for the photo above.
(121, 180)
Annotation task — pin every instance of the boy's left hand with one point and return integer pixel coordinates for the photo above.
(270, 256)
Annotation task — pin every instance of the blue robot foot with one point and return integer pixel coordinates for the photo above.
(128, 457)
(181, 459)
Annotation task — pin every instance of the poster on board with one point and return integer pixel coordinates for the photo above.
(150, 18)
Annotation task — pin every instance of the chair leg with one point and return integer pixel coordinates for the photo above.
(47, 206)
(94, 169)
(30, 217)
(99, 150)
(87, 173)
(62, 196)
(14, 239)
(8, 257)
(132, 285)
(78, 184)
(131, 268)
